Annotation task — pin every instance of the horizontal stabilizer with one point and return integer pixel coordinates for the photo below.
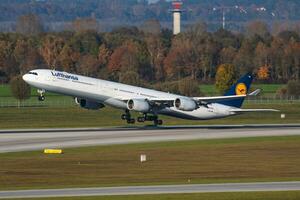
(239, 110)
(217, 99)
(255, 92)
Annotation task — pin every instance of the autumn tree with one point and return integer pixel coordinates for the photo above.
(124, 57)
(8, 65)
(183, 58)
(20, 90)
(131, 56)
(198, 30)
(68, 58)
(26, 55)
(227, 39)
(227, 55)
(86, 42)
(276, 59)
(88, 65)
(192, 54)
(225, 77)
(104, 55)
(294, 55)
(263, 73)
(157, 51)
(131, 78)
(258, 28)
(189, 87)
(262, 61)
(50, 50)
(262, 57)
(244, 58)
(287, 35)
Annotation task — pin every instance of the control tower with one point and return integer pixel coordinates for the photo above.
(176, 10)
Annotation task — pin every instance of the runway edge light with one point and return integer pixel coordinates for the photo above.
(53, 151)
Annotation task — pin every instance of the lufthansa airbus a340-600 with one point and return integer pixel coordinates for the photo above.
(91, 93)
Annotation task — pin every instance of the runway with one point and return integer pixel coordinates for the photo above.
(164, 189)
(37, 139)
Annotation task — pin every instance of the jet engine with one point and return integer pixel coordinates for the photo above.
(185, 104)
(140, 105)
(88, 104)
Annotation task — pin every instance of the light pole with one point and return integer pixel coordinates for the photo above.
(225, 9)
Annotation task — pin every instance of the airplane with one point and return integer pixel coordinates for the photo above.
(92, 93)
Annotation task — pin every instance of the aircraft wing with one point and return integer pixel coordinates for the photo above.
(200, 100)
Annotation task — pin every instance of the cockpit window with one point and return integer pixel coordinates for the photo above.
(33, 73)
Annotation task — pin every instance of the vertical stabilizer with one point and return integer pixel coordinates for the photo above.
(241, 87)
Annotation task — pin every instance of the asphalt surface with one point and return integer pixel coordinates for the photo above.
(164, 189)
(38, 139)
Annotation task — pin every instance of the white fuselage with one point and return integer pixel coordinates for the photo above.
(113, 94)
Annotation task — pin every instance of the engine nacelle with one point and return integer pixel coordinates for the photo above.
(87, 104)
(140, 105)
(185, 104)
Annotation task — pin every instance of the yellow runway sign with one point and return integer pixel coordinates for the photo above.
(54, 151)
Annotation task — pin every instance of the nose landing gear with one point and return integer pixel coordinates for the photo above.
(41, 96)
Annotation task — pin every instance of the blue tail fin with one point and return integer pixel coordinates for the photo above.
(242, 86)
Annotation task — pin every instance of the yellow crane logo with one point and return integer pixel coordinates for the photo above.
(241, 89)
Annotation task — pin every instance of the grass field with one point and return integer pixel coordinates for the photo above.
(291, 195)
(74, 116)
(200, 161)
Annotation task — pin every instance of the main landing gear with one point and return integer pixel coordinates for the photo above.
(142, 119)
(153, 118)
(41, 96)
(127, 117)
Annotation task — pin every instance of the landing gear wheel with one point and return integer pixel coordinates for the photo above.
(157, 122)
(141, 119)
(130, 121)
(41, 98)
(127, 117)
(124, 117)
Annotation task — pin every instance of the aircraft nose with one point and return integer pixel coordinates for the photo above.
(26, 77)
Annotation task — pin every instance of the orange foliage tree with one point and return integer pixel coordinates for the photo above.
(263, 72)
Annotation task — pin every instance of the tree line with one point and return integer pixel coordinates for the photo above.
(145, 56)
